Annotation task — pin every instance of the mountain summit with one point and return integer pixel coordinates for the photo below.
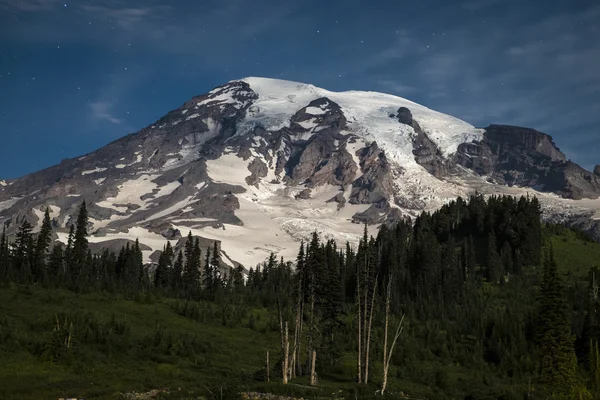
(259, 164)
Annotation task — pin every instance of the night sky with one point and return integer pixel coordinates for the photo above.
(77, 75)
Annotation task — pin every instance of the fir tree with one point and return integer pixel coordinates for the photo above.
(176, 283)
(23, 253)
(44, 238)
(557, 353)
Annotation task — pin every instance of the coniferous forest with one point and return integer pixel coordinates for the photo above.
(479, 300)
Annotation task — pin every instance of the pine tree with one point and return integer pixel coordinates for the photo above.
(215, 263)
(4, 257)
(176, 283)
(161, 275)
(23, 253)
(78, 256)
(332, 307)
(191, 273)
(44, 238)
(557, 353)
(55, 265)
(494, 262)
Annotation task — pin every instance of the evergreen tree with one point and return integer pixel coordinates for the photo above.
(494, 262)
(557, 353)
(55, 265)
(162, 275)
(23, 253)
(332, 307)
(44, 238)
(191, 273)
(4, 257)
(176, 283)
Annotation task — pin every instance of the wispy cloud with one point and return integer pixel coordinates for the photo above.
(126, 17)
(30, 5)
(102, 111)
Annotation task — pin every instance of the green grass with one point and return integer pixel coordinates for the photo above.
(100, 371)
(196, 357)
(573, 254)
(222, 357)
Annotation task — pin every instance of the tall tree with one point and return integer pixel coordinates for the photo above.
(557, 353)
(23, 253)
(44, 238)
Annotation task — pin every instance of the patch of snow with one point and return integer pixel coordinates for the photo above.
(200, 185)
(198, 219)
(167, 189)
(39, 214)
(195, 115)
(93, 171)
(150, 239)
(316, 110)
(308, 124)
(130, 192)
(120, 166)
(73, 195)
(229, 168)
(99, 181)
(184, 111)
(175, 122)
(175, 207)
(6, 204)
(2, 183)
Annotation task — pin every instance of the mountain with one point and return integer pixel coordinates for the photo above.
(258, 164)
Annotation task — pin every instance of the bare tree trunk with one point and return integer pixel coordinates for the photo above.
(267, 377)
(286, 353)
(385, 335)
(369, 333)
(298, 357)
(297, 331)
(386, 366)
(311, 327)
(358, 305)
(313, 374)
(365, 312)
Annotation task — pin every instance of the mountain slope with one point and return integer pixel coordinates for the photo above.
(259, 164)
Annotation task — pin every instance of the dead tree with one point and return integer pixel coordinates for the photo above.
(388, 356)
(267, 377)
(358, 307)
(368, 342)
(296, 367)
(313, 373)
(285, 344)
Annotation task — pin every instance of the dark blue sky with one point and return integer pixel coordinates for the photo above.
(77, 75)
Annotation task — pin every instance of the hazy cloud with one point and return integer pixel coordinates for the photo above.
(102, 111)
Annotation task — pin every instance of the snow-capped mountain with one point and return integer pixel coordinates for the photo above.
(258, 164)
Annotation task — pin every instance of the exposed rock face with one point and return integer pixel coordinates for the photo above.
(517, 156)
(425, 151)
(597, 170)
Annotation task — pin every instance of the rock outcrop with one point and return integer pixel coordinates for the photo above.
(516, 156)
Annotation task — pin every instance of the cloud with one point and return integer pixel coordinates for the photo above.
(476, 5)
(397, 87)
(30, 5)
(101, 111)
(128, 17)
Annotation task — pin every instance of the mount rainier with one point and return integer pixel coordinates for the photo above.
(259, 164)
